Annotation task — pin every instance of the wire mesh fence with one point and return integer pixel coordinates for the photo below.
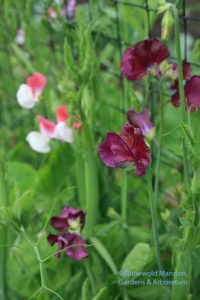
(185, 22)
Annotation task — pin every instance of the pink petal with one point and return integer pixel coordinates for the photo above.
(37, 82)
(47, 127)
(61, 113)
(76, 125)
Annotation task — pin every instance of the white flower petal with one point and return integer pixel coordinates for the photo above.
(38, 142)
(63, 133)
(25, 96)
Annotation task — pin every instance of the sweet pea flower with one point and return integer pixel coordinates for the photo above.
(72, 244)
(143, 58)
(141, 120)
(70, 219)
(39, 141)
(69, 223)
(71, 8)
(118, 151)
(27, 94)
(52, 12)
(191, 90)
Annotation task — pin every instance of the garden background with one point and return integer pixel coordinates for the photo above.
(80, 56)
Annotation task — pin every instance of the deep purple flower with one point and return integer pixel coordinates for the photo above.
(70, 219)
(142, 58)
(141, 120)
(187, 70)
(72, 244)
(128, 147)
(192, 93)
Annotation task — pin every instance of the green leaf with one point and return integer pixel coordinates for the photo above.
(85, 290)
(102, 294)
(22, 174)
(139, 257)
(150, 292)
(104, 254)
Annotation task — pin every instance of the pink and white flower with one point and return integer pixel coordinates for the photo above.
(29, 92)
(39, 140)
(52, 12)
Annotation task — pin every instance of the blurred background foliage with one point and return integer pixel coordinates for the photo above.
(81, 59)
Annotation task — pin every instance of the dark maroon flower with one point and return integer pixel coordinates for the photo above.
(141, 120)
(187, 70)
(128, 147)
(142, 58)
(72, 244)
(192, 94)
(70, 219)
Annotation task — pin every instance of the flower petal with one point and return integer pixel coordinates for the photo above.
(52, 239)
(47, 127)
(71, 8)
(37, 82)
(192, 93)
(38, 142)
(114, 152)
(25, 96)
(78, 249)
(140, 150)
(59, 223)
(137, 60)
(63, 132)
(141, 120)
(61, 113)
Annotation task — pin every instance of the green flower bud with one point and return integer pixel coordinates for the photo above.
(167, 24)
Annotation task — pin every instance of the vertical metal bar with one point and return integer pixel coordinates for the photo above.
(148, 18)
(184, 28)
(120, 52)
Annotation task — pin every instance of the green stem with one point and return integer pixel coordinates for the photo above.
(40, 265)
(153, 217)
(3, 234)
(181, 89)
(91, 179)
(124, 197)
(90, 276)
(159, 149)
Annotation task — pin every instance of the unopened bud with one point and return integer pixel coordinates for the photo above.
(167, 24)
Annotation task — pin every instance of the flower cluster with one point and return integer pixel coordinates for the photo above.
(69, 224)
(27, 96)
(69, 10)
(149, 57)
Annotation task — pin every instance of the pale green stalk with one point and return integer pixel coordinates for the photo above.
(3, 233)
(181, 89)
(159, 148)
(153, 217)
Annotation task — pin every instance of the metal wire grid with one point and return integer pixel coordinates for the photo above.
(183, 18)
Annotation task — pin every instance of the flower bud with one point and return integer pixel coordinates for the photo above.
(166, 25)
